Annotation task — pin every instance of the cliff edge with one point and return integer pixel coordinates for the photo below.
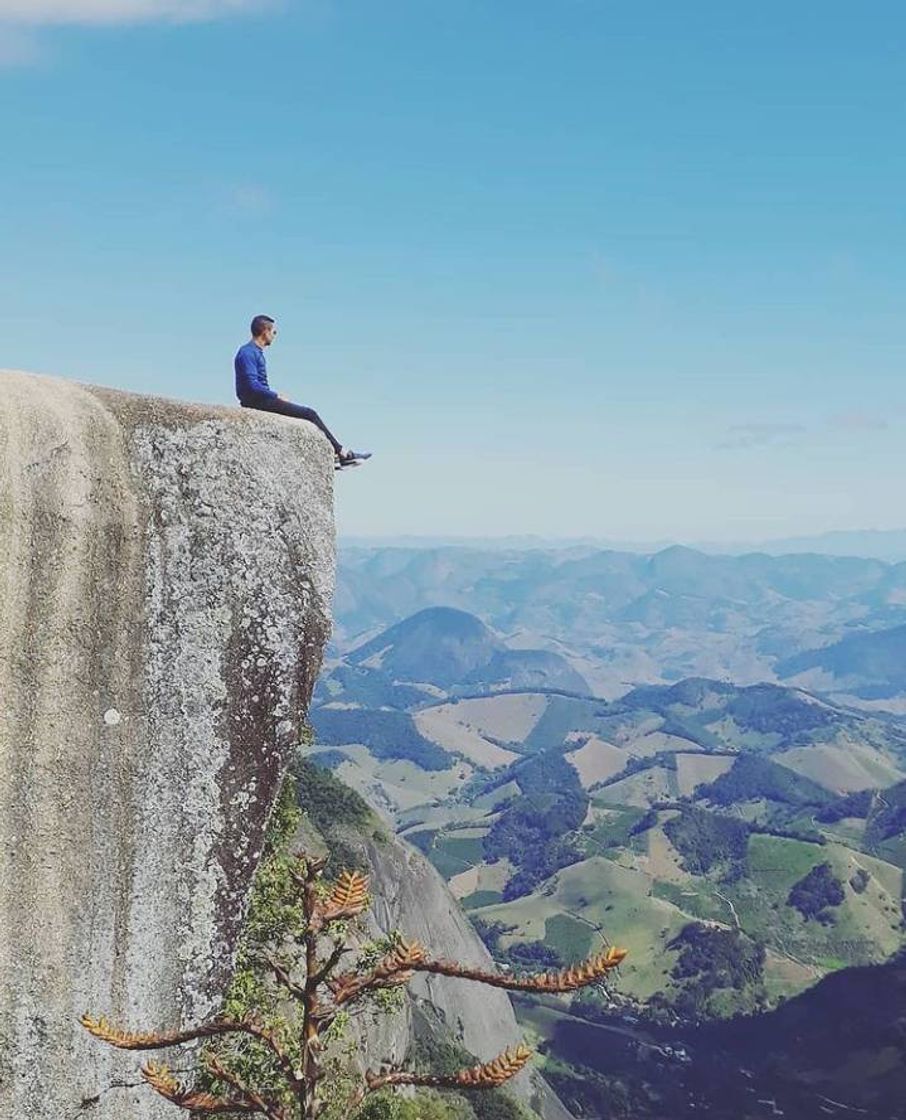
(166, 572)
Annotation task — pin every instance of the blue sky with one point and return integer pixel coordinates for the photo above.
(629, 270)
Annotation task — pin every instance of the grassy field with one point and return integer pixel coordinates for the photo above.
(610, 828)
(844, 767)
(695, 900)
(781, 862)
(695, 769)
(784, 977)
(867, 927)
(894, 851)
(469, 832)
(446, 861)
(562, 716)
(481, 879)
(509, 717)
(467, 848)
(478, 899)
(450, 853)
(487, 801)
(395, 786)
(664, 862)
(743, 738)
(848, 831)
(436, 816)
(597, 760)
(640, 789)
(445, 725)
(574, 940)
(610, 901)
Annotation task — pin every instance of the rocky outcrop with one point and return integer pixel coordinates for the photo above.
(166, 572)
(410, 897)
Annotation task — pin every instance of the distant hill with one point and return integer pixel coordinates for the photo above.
(888, 545)
(777, 750)
(527, 669)
(845, 1038)
(836, 1050)
(868, 664)
(452, 650)
(440, 645)
(837, 747)
(623, 618)
(884, 813)
(729, 813)
(755, 778)
(556, 816)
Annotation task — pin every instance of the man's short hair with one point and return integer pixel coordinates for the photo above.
(259, 323)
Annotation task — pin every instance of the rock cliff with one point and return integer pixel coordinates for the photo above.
(410, 897)
(166, 573)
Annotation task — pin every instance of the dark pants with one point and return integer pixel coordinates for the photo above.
(297, 411)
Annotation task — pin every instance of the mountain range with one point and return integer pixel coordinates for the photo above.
(888, 545)
(560, 756)
(711, 800)
(622, 619)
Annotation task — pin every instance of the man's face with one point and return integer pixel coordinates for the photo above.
(268, 334)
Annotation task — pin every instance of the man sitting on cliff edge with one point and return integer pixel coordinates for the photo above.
(253, 390)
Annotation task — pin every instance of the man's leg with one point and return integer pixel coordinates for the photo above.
(298, 412)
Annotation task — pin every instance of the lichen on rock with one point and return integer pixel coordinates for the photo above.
(165, 582)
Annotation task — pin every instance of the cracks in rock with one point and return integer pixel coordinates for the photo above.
(87, 1104)
(49, 457)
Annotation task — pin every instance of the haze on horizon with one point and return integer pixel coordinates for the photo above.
(889, 546)
(629, 272)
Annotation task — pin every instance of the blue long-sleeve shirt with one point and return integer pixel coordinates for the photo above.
(251, 373)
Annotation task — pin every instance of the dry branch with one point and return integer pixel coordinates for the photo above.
(163, 1082)
(489, 1075)
(397, 968)
(568, 980)
(125, 1040)
(347, 899)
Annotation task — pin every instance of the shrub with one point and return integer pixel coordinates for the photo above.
(816, 892)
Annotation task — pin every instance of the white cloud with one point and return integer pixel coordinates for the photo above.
(859, 422)
(760, 435)
(42, 12)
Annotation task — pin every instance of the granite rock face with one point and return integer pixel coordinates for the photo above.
(410, 897)
(166, 573)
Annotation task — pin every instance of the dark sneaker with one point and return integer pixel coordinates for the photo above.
(347, 456)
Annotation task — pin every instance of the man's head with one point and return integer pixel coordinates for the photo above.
(264, 330)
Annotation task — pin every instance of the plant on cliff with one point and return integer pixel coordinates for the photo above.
(276, 1063)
